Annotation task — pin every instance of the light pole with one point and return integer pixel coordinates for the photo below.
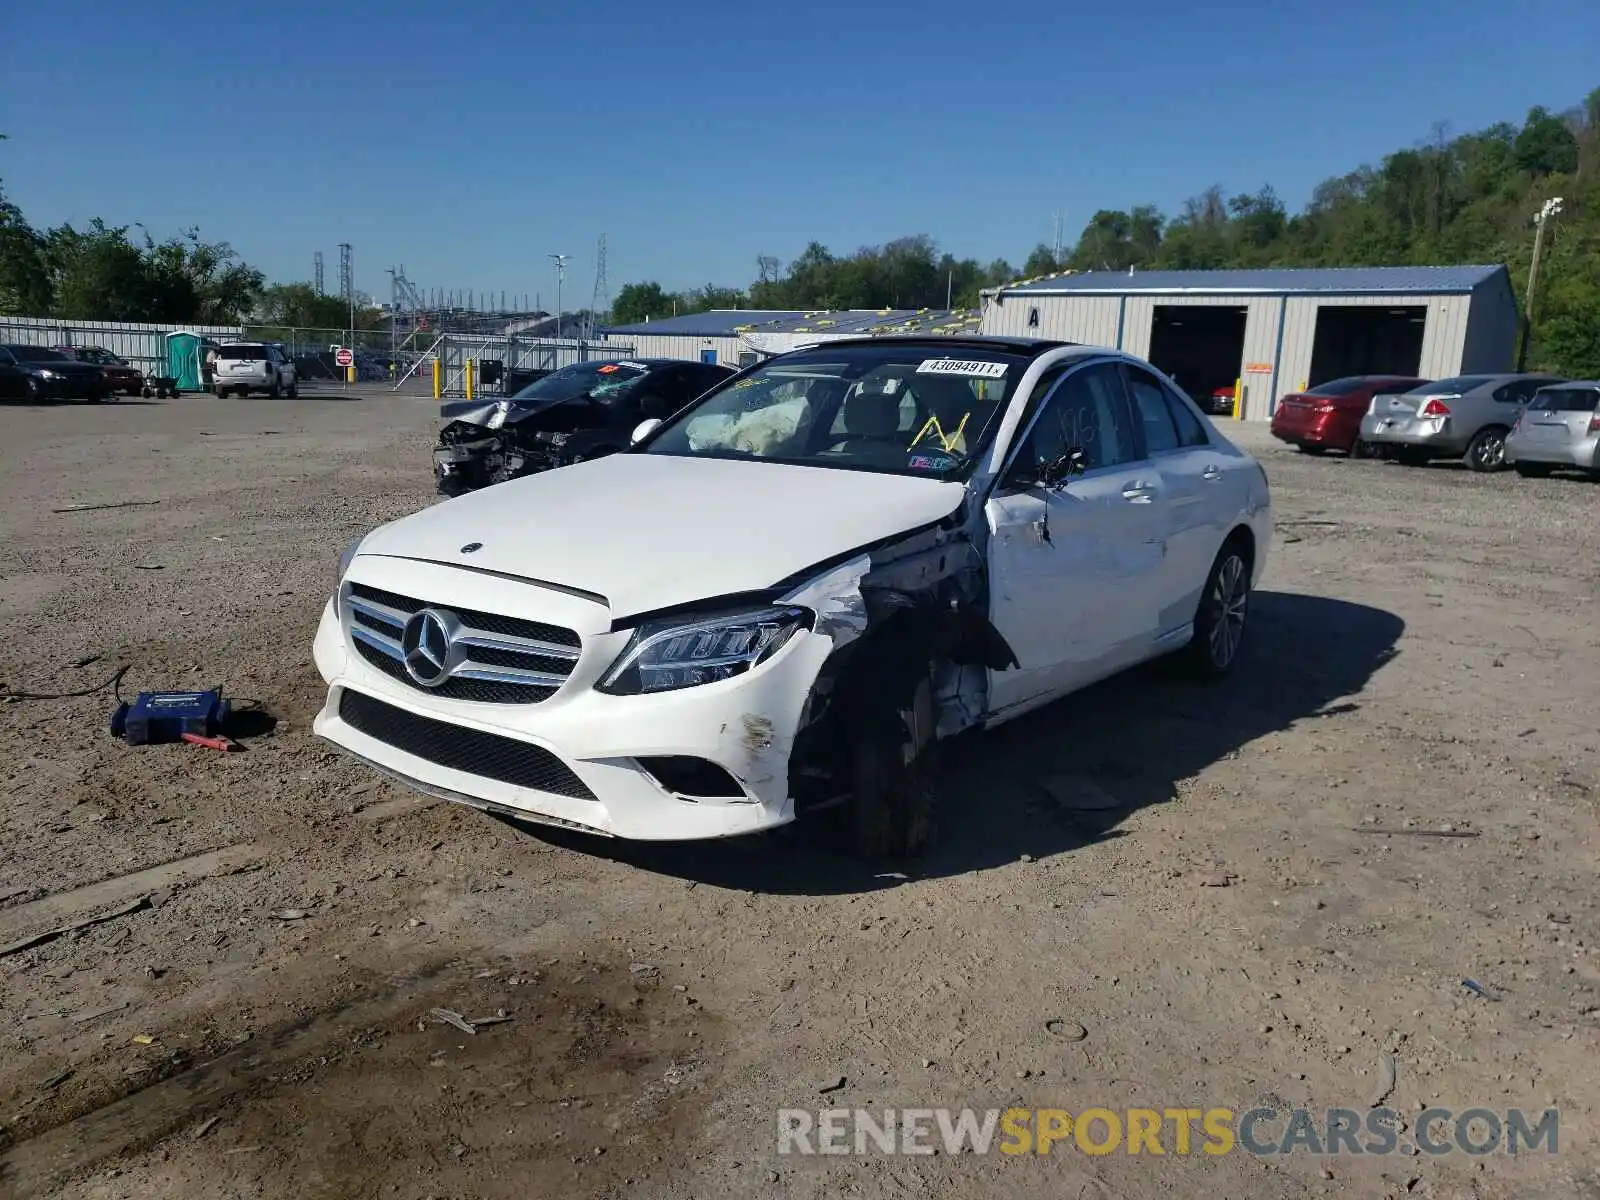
(561, 273)
(1550, 208)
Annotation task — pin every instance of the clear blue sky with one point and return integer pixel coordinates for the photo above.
(467, 140)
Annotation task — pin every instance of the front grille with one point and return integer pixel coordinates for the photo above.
(488, 755)
(536, 631)
(484, 691)
(492, 659)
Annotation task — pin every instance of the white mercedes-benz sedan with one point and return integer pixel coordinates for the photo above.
(783, 597)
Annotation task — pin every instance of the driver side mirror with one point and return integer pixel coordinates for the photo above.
(1070, 462)
(644, 429)
(1052, 474)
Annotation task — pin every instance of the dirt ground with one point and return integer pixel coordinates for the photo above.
(1422, 656)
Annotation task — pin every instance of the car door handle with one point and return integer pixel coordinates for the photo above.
(1212, 472)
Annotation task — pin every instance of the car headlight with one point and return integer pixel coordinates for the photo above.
(344, 565)
(666, 655)
(46, 373)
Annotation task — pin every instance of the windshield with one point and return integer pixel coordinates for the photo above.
(907, 410)
(1338, 387)
(601, 380)
(1453, 387)
(38, 354)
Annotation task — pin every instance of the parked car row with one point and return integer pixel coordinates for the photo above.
(1532, 422)
(39, 374)
(777, 598)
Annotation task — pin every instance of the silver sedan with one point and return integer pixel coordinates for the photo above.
(1560, 428)
(1465, 417)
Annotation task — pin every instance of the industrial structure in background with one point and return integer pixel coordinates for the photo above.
(1273, 331)
(317, 281)
(739, 337)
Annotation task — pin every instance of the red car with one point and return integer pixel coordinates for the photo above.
(119, 376)
(1328, 416)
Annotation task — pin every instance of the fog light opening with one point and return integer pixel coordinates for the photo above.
(692, 778)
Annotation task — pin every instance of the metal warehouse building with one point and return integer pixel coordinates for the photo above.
(1275, 330)
(738, 337)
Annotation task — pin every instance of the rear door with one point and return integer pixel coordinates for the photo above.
(1192, 472)
(1074, 569)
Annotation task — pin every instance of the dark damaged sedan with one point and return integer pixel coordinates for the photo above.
(582, 411)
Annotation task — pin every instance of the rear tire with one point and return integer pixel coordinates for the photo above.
(1530, 470)
(293, 391)
(1487, 449)
(1222, 618)
(893, 765)
(1360, 449)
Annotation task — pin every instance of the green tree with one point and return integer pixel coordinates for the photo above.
(1041, 261)
(96, 274)
(198, 282)
(1546, 146)
(24, 277)
(638, 302)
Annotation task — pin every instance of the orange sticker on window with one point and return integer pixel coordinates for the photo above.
(608, 369)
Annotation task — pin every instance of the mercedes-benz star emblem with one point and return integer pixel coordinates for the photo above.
(426, 643)
(471, 547)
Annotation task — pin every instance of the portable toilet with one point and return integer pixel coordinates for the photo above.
(186, 354)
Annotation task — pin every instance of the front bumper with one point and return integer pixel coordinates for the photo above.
(1432, 433)
(71, 387)
(745, 725)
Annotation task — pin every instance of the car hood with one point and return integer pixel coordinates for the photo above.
(69, 367)
(649, 531)
(477, 412)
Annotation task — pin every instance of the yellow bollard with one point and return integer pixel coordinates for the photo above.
(466, 375)
(438, 381)
(1238, 395)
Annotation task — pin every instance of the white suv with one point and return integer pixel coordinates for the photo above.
(784, 596)
(245, 367)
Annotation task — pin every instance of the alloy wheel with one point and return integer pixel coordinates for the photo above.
(1230, 598)
(1490, 450)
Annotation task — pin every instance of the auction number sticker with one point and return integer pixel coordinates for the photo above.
(971, 369)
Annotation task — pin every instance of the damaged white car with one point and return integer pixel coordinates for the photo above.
(782, 598)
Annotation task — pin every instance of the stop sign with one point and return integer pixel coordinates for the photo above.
(344, 356)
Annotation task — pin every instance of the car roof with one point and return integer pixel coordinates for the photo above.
(1031, 347)
(1558, 384)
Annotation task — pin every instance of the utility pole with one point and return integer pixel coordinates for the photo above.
(316, 274)
(1550, 208)
(949, 288)
(347, 286)
(561, 273)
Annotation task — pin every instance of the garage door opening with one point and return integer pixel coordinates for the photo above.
(1201, 349)
(1366, 340)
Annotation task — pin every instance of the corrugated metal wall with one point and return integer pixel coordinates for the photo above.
(1092, 320)
(1443, 335)
(1491, 344)
(141, 344)
(651, 345)
(1462, 333)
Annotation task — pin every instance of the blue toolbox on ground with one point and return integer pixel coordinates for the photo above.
(157, 717)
